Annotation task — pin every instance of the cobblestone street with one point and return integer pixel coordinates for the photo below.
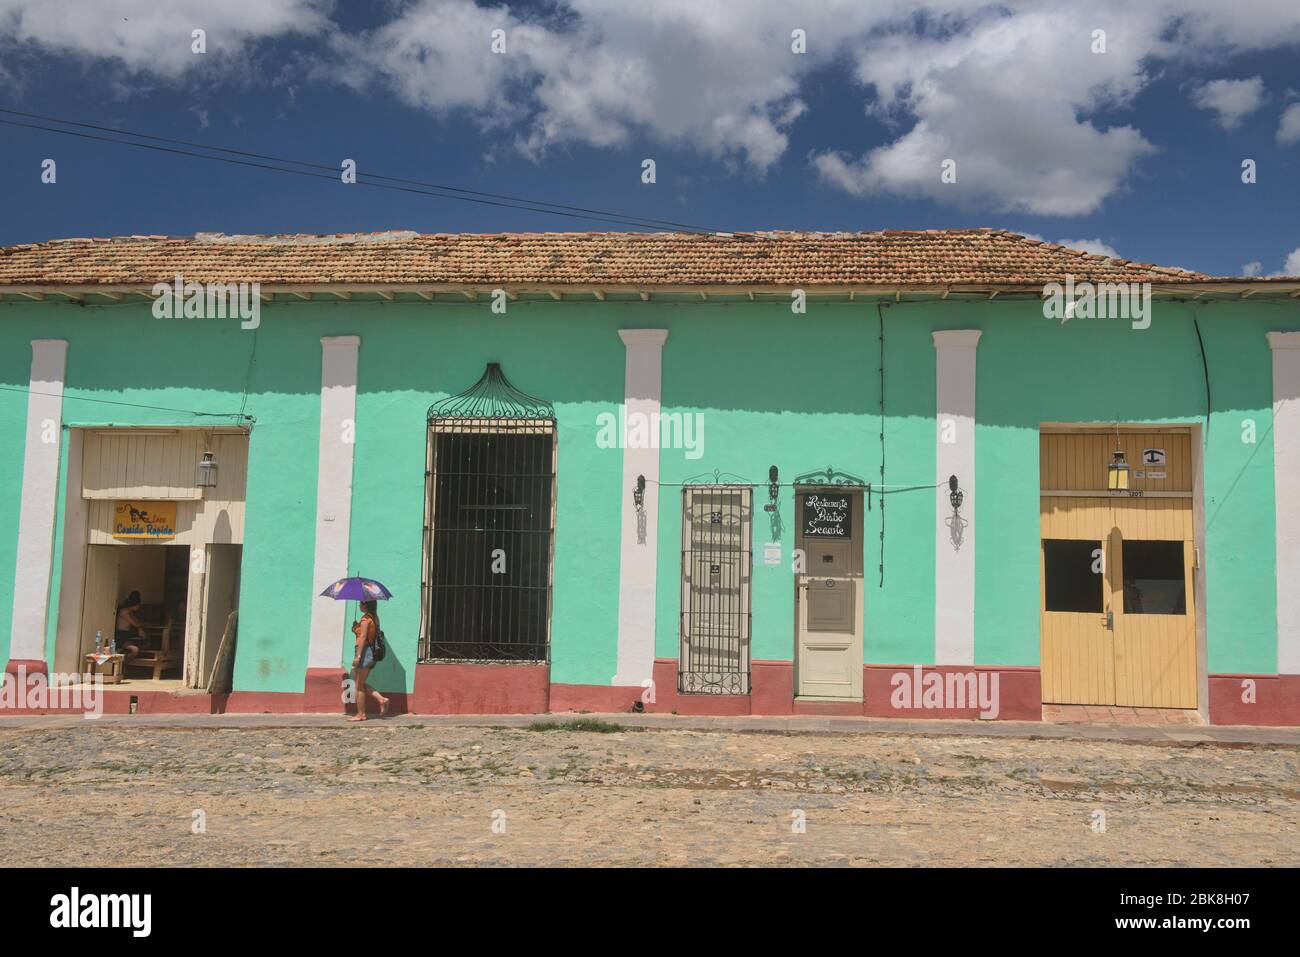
(398, 792)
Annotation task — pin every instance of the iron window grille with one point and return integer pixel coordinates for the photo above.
(489, 525)
(717, 562)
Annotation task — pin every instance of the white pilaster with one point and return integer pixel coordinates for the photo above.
(39, 500)
(1286, 466)
(954, 554)
(642, 388)
(338, 409)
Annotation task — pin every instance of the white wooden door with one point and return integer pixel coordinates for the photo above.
(829, 594)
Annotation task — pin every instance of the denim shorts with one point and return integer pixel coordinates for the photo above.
(367, 656)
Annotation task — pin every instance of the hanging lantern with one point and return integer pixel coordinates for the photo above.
(955, 494)
(207, 472)
(1117, 473)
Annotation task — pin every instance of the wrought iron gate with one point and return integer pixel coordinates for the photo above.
(489, 526)
(717, 557)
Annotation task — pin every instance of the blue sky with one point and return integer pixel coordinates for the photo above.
(1135, 148)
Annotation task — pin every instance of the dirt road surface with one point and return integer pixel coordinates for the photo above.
(100, 794)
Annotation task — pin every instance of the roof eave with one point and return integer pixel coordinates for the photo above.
(344, 291)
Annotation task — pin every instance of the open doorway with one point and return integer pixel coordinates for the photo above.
(170, 605)
(137, 598)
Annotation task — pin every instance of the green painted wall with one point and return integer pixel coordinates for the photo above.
(804, 403)
(413, 356)
(15, 372)
(800, 392)
(127, 368)
(1033, 370)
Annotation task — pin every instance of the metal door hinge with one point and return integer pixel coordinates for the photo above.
(1110, 621)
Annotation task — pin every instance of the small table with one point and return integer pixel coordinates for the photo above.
(113, 674)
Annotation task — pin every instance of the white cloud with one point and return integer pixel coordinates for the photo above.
(1087, 245)
(1292, 265)
(1011, 91)
(1230, 100)
(1288, 130)
(149, 37)
(716, 78)
(1092, 246)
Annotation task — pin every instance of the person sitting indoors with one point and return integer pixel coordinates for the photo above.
(128, 632)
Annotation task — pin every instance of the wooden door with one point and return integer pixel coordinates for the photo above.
(1127, 637)
(829, 595)
(100, 597)
(1077, 600)
(1155, 610)
(220, 599)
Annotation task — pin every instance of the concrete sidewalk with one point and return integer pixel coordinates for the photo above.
(1219, 736)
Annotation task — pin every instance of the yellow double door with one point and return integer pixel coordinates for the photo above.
(1118, 608)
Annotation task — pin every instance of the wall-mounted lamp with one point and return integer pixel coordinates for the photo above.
(773, 489)
(206, 476)
(1117, 473)
(638, 500)
(955, 495)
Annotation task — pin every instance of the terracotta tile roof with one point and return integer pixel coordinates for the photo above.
(890, 257)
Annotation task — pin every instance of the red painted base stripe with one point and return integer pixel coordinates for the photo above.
(889, 691)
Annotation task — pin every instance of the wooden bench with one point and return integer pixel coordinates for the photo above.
(160, 658)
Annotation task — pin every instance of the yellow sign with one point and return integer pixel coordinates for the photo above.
(144, 520)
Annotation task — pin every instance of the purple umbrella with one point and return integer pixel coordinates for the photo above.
(356, 589)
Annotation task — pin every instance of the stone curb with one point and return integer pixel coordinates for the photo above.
(1215, 736)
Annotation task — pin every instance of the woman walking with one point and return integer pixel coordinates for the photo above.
(366, 631)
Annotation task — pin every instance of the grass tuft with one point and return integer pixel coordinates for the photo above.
(583, 724)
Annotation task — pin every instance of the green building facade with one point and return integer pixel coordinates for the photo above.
(759, 393)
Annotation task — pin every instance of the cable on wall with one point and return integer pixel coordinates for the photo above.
(1205, 370)
(880, 312)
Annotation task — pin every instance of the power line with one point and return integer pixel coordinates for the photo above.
(393, 183)
(131, 405)
(334, 171)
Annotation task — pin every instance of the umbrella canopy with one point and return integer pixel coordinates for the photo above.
(356, 589)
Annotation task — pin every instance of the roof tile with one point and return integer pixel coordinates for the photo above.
(889, 257)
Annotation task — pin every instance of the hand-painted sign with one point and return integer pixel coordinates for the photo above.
(150, 520)
(1153, 457)
(827, 516)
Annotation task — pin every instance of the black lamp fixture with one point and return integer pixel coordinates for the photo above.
(638, 500)
(206, 476)
(773, 488)
(955, 494)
